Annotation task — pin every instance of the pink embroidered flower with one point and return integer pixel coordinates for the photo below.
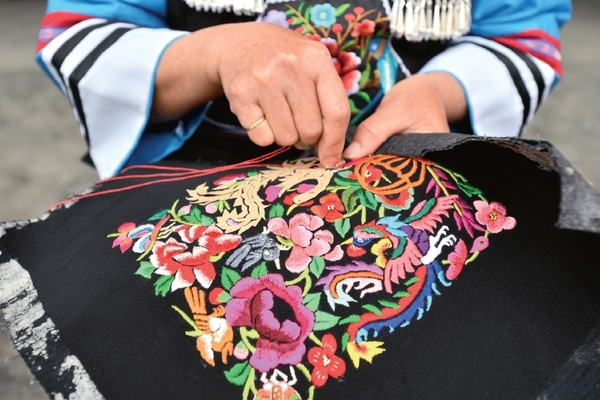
(479, 244)
(326, 363)
(173, 257)
(493, 216)
(349, 17)
(272, 193)
(281, 337)
(358, 10)
(123, 240)
(457, 260)
(331, 207)
(364, 28)
(346, 64)
(307, 241)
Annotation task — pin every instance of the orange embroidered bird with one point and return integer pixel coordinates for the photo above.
(218, 334)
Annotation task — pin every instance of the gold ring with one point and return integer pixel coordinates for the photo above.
(303, 146)
(257, 123)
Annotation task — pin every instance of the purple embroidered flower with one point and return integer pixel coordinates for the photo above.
(323, 15)
(277, 18)
(282, 337)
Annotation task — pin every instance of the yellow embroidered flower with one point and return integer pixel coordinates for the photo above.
(365, 351)
(379, 249)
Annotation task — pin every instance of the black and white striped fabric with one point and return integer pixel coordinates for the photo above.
(504, 86)
(107, 69)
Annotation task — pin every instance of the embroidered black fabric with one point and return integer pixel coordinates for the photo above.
(505, 330)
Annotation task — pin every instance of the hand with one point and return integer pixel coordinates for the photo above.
(418, 104)
(264, 70)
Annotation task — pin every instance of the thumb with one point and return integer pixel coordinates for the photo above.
(371, 134)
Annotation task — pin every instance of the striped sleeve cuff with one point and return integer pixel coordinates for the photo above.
(107, 71)
(504, 87)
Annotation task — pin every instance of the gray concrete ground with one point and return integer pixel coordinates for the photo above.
(40, 144)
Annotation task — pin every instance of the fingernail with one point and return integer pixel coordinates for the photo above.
(352, 150)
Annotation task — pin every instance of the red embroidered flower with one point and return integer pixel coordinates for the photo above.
(457, 260)
(346, 65)
(326, 363)
(331, 207)
(173, 258)
(399, 201)
(364, 28)
(493, 216)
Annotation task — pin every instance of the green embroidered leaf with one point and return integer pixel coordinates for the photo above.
(368, 199)
(312, 300)
(221, 206)
(364, 96)
(349, 319)
(424, 211)
(251, 173)
(325, 321)
(342, 9)
(238, 374)
(163, 285)
(295, 20)
(317, 266)
(401, 294)
(205, 220)
(353, 108)
(389, 304)
(349, 199)
(159, 215)
(342, 226)
(411, 281)
(289, 12)
(372, 308)
(469, 189)
(364, 78)
(348, 44)
(300, 7)
(260, 270)
(276, 210)
(146, 269)
(345, 338)
(229, 277)
(307, 13)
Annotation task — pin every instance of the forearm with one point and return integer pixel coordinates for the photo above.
(187, 74)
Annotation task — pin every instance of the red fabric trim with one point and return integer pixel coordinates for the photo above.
(536, 34)
(58, 20)
(514, 42)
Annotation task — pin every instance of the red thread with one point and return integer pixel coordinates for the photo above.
(186, 173)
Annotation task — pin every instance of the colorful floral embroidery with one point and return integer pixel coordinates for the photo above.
(292, 274)
(357, 40)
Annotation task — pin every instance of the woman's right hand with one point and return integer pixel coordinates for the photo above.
(264, 70)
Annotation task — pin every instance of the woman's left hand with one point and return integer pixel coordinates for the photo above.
(418, 104)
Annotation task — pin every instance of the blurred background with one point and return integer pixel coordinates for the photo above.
(40, 145)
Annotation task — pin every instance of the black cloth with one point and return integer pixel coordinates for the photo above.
(504, 329)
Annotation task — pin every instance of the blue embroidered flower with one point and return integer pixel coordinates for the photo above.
(323, 15)
(276, 17)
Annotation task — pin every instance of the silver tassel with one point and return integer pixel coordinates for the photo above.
(239, 7)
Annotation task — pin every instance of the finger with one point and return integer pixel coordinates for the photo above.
(304, 105)
(336, 117)
(370, 135)
(278, 114)
(253, 119)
